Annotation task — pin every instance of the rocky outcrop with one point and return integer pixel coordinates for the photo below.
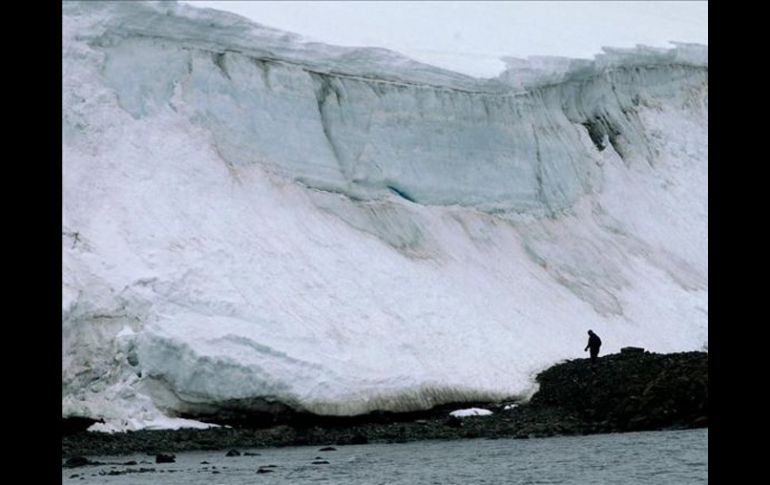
(633, 390)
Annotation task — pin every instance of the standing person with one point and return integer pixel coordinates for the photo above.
(594, 342)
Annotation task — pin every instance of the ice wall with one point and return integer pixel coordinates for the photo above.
(251, 220)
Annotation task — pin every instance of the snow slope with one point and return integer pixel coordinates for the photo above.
(253, 221)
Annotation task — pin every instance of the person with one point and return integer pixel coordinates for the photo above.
(594, 342)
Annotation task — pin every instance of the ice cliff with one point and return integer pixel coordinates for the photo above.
(253, 221)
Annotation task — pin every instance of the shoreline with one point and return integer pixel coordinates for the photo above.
(630, 391)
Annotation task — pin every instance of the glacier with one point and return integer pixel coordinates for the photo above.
(254, 222)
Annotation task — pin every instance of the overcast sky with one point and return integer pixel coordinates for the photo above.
(470, 37)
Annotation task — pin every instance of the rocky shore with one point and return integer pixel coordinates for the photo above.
(630, 391)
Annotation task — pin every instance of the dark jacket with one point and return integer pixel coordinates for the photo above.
(594, 342)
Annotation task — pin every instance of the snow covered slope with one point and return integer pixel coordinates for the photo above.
(251, 221)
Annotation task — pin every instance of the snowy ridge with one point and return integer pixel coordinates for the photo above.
(229, 33)
(168, 21)
(538, 71)
(252, 221)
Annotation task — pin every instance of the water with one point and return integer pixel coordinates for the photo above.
(660, 457)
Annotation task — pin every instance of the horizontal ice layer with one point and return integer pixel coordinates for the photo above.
(251, 221)
(433, 146)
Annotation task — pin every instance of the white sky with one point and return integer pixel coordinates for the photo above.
(470, 37)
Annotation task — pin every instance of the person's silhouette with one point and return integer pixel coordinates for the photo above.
(594, 342)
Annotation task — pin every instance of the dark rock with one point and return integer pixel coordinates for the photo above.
(77, 461)
(248, 453)
(633, 391)
(328, 448)
(359, 439)
(453, 422)
(701, 421)
(76, 424)
(128, 471)
(233, 453)
(265, 470)
(215, 472)
(74, 476)
(204, 463)
(320, 462)
(632, 350)
(130, 463)
(163, 458)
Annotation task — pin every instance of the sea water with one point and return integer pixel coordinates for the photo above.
(659, 457)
